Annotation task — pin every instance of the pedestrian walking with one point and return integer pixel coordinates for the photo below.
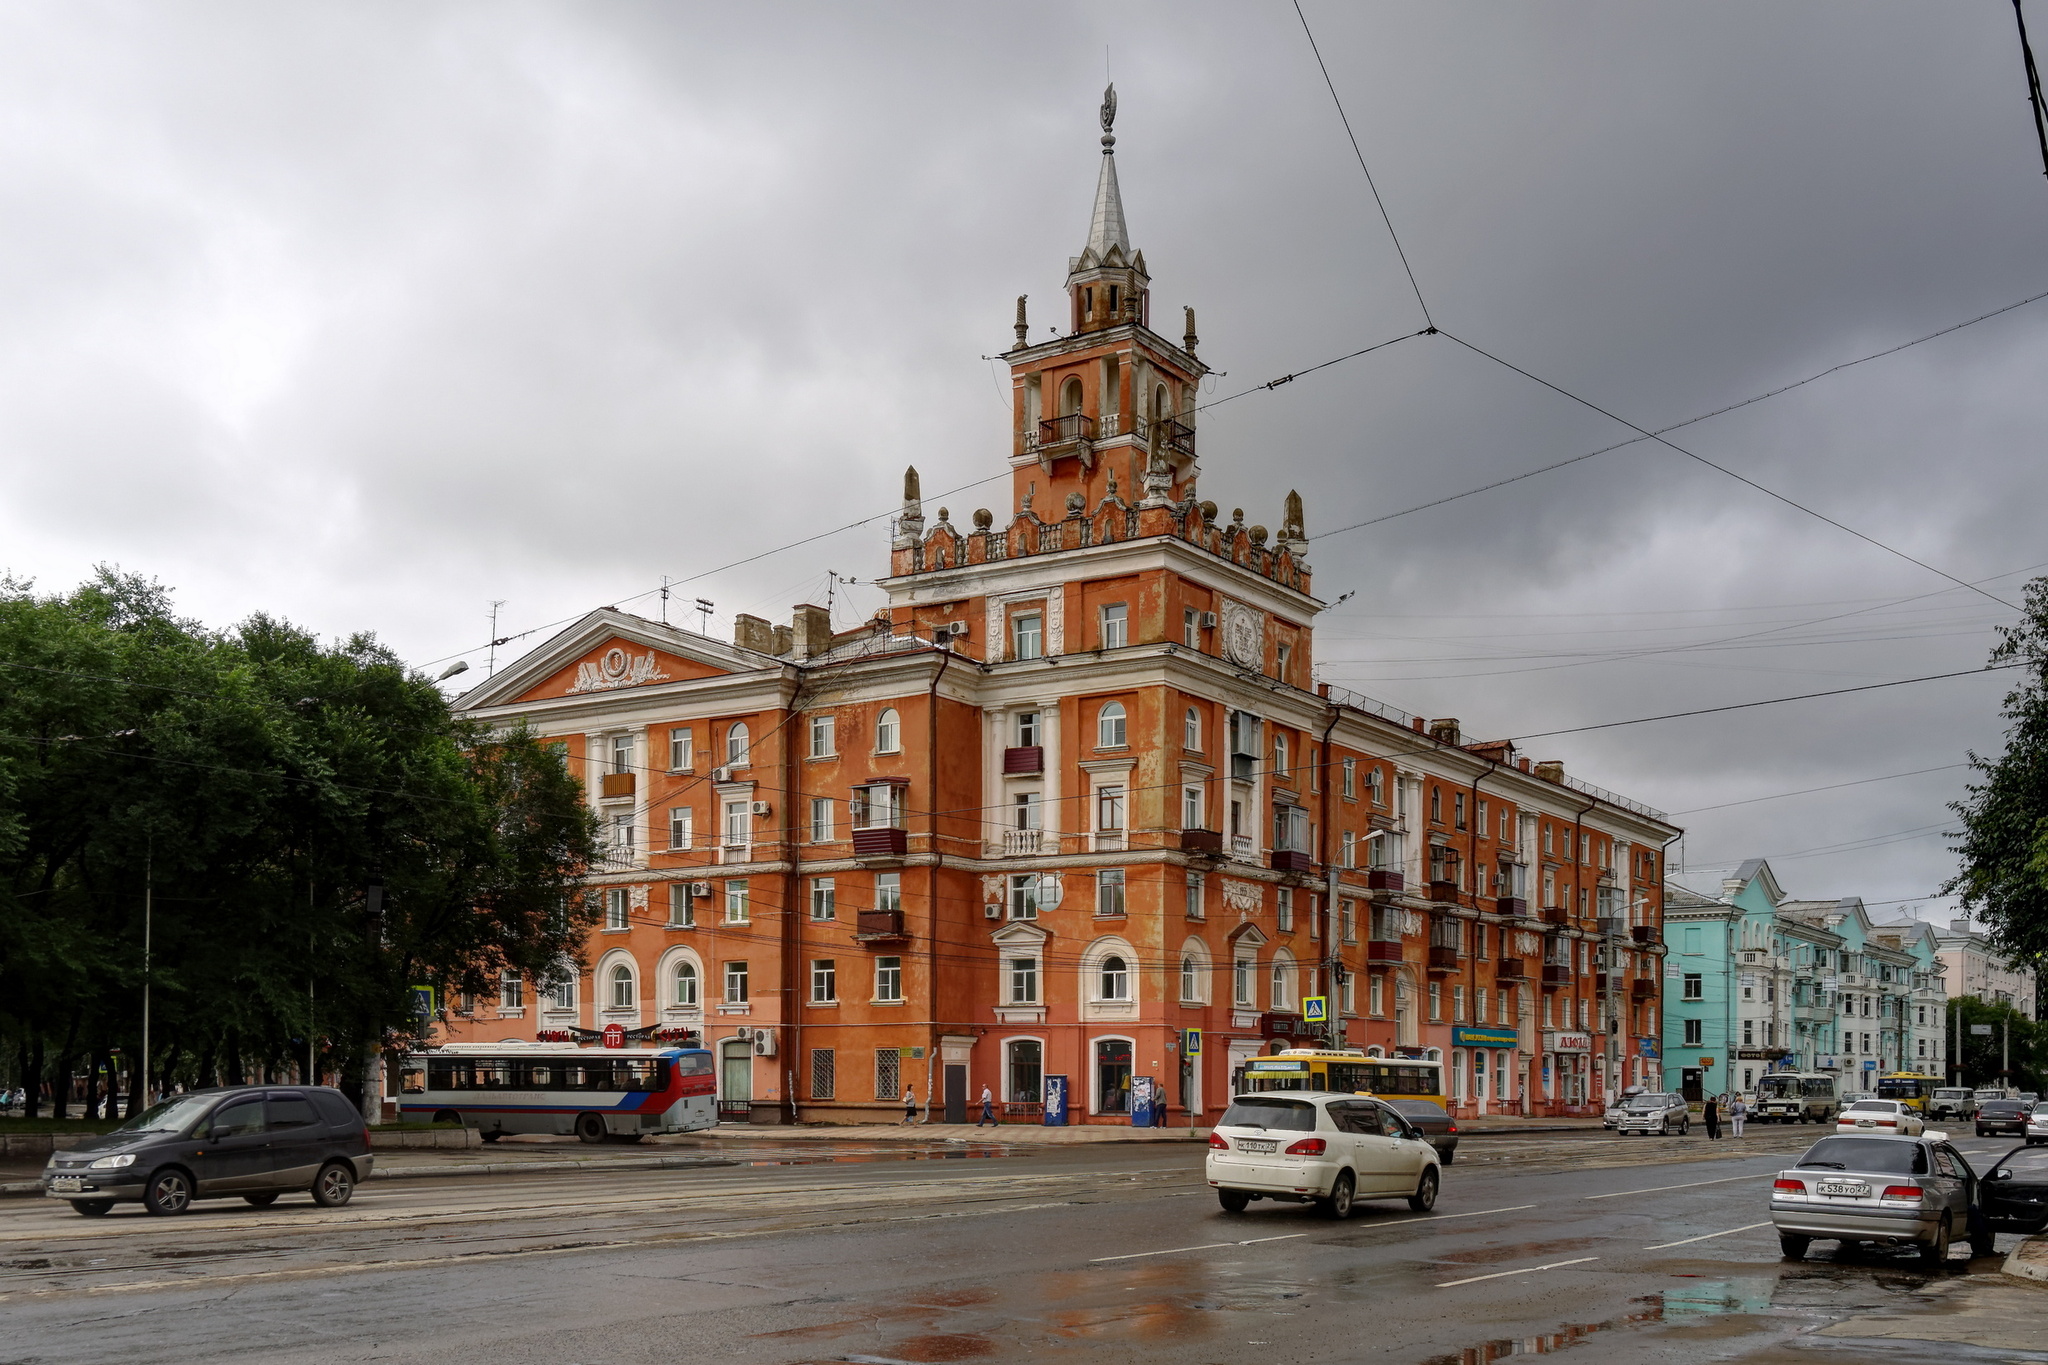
(909, 1104)
(1737, 1111)
(988, 1109)
(1713, 1116)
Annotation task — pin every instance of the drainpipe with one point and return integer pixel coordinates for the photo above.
(1472, 860)
(931, 721)
(1578, 885)
(1333, 962)
(792, 900)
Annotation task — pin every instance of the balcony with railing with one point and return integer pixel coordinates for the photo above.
(616, 786)
(1511, 905)
(1291, 860)
(1556, 975)
(1644, 933)
(1385, 879)
(1172, 435)
(1510, 969)
(1029, 843)
(1443, 892)
(886, 841)
(1202, 843)
(1057, 432)
(875, 926)
(1554, 914)
(1443, 958)
(1024, 758)
(1383, 950)
(1642, 988)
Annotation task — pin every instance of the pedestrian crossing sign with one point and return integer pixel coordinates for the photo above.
(1315, 1009)
(1191, 1042)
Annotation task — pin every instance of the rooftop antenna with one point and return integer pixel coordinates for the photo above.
(664, 599)
(703, 616)
(832, 581)
(491, 664)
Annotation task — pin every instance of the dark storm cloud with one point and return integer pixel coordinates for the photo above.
(371, 314)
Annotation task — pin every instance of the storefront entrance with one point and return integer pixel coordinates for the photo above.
(1113, 1076)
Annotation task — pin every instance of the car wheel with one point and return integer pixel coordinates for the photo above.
(1424, 1198)
(590, 1127)
(448, 1116)
(1793, 1245)
(93, 1208)
(1934, 1254)
(1342, 1191)
(1233, 1201)
(261, 1201)
(334, 1186)
(1684, 1127)
(168, 1192)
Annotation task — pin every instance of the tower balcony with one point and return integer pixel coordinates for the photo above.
(1057, 433)
(1174, 437)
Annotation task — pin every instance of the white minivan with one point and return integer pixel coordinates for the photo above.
(1331, 1150)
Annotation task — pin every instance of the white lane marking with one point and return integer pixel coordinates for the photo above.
(1709, 1236)
(1691, 1185)
(1206, 1246)
(1525, 1270)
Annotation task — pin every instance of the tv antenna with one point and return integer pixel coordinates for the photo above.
(703, 616)
(491, 664)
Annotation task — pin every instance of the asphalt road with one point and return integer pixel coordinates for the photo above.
(1609, 1247)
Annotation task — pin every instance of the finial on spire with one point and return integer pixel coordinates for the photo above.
(1188, 341)
(911, 490)
(1108, 117)
(1022, 326)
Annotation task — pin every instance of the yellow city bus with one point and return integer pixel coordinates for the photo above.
(1911, 1088)
(1346, 1072)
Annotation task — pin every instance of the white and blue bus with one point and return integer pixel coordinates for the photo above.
(592, 1092)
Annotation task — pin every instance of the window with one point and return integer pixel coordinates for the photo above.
(1109, 726)
(823, 1073)
(1347, 994)
(622, 838)
(562, 995)
(1315, 769)
(736, 983)
(1109, 891)
(824, 899)
(622, 753)
(822, 831)
(1546, 839)
(888, 731)
(1191, 628)
(1282, 656)
(824, 736)
(739, 826)
(1694, 987)
(1023, 980)
(1280, 987)
(1376, 995)
(1350, 849)
(686, 984)
(736, 745)
(1693, 1032)
(1028, 729)
(1191, 731)
(1241, 982)
(622, 987)
(1350, 769)
(1024, 895)
(617, 908)
(682, 749)
(1457, 1004)
(888, 978)
(887, 1087)
(1347, 917)
(1285, 914)
(682, 910)
(1458, 810)
(1116, 626)
(1027, 635)
(1195, 887)
(511, 992)
(1191, 812)
(878, 806)
(1480, 818)
(681, 827)
(1436, 805)
(1376, 786)
(824, 981)
(1190, 980)
(736, 911)
(1549, 889)
(1507, 818)
(1109, 810)
(1436, 1001)
(1281, 768)
(888, 891)
(1113, 979)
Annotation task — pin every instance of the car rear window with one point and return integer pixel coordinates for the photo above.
(1296, 1116)
(1874, 1107)
(1419, 1109)
(2000, 1107)
(1883, 1155)
(336, 1109)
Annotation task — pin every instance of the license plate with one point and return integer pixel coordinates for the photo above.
(67, 1184)
(1840, 1188)
(1253, 1145)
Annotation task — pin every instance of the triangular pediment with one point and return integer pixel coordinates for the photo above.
(1019, 934)
(610, 651)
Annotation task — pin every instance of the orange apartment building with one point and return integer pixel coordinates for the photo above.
(1072, 801)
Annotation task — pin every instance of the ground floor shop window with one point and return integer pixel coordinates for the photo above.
(887, 1083)
(1023, 1069)
(1113, 1076)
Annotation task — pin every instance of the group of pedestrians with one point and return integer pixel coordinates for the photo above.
(988, 1107)
(1738, 1110)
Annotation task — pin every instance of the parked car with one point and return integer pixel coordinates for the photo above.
(2028, 1097)
(2014, 1191)
(1894, 1191)
(1993, 1092)
(1658, 1112)
(2037, 1124)
(2001, 1117)
(257, 1142)
(1612, 1116)
(1954, 1102)
(1880, 1116)
(1850, 1097)
(1329, 1150)
(1439, 1129)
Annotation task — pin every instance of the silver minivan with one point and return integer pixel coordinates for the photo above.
(1664, 1113)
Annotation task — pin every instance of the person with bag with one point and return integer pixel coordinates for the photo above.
(1713, 1116)
(909, 1104)
(1737, 1111)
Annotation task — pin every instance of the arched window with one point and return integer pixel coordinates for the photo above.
(1070, 397)
(888, 731)
(622, 987)
(562, 995)
(1162, 406)
(1279, 754)
(1191, 737)
(1282, 986)
(736, 745)
(686, 984)
(1115, 979)
(1190, 979)
(1109, 726)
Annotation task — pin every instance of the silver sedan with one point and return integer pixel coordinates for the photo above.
(1892, 1191)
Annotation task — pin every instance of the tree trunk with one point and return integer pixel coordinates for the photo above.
(234, 1061)
(32, 1076)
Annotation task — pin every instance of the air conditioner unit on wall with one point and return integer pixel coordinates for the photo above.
(993, 910)
(764, 1042)
(1208, 620)
(744, 1033)
(701, 890)
(721, 774)
(760, 808)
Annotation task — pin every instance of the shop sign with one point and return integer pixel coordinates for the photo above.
(1484, 1037)
(1649, 1047)
(614, 1035)
(1568, 1042)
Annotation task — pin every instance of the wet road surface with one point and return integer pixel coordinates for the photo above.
(1607, 1247)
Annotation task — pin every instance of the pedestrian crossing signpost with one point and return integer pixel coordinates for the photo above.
(1315, 1009)
(1191, 1042)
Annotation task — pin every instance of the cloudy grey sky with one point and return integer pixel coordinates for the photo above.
(369, 314)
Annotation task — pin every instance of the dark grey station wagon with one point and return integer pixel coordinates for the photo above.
(255, 1142)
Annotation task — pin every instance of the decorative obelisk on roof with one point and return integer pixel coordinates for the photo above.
(1107, 281)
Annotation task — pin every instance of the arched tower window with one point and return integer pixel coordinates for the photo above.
(1070, 397)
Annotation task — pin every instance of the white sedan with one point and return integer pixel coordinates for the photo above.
(1887, 1118)
(1327, 1149)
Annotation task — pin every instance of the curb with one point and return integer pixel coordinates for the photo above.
(2026, 1267)
(35, 1187)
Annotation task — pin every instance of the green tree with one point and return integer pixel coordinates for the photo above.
(2003, 879)
(2012, 1048)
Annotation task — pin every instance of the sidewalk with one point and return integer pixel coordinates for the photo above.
(1008, 1134)
(2029, 1260)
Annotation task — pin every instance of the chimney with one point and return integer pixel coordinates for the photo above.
(1552, 771)
(751, 632)
(784, 641)
(1523, 764)
(811, 630)
(1444, 731)
(1416, 723)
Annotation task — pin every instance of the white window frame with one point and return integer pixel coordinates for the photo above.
(682, 827)
(682, 907)
(682, 749)
(739, 745)
(1115, 625)
(824, 735)
(738, 974)
(824, 824)
(824, 900)
(1034, 636)
(888, 731)
(1191, 730)
(1112, 985)
(1110, 893)
(1112, 726)
(824, 981)
(738, 908)
(888, 977)
(618, 975)
(1021, 977)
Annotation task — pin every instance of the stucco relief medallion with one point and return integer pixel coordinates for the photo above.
(616, 668)
(1241, 896)
(1244, 635)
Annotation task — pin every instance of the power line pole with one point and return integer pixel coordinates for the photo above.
(148, 925)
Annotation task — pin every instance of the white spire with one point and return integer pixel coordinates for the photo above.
(1106, 226)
